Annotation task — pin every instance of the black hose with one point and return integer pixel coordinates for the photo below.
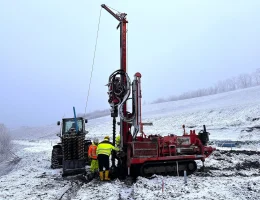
(114, 139)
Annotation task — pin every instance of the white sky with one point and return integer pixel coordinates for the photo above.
(46, 51)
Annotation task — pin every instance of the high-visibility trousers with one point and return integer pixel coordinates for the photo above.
(94, 165)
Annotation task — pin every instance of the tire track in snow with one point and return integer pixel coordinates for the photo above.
(71, 191)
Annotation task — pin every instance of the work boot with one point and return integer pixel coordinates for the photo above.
(101, 176)
(106, 175)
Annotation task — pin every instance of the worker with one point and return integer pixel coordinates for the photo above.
(92, 155)
(72, 128)
(104, 151)
(118, 141)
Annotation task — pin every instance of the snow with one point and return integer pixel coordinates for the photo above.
(196, 188)
(231, 116)
(32, 177)
(26, 132)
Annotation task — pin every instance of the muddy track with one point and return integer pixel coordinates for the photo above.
(71, 191)
(233, 163)
(229, 172)
(236, 142)
(75, 183)
(236, 152)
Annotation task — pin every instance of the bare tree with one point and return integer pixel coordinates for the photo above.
(230, 84)
(221, 87)
(245, 81)
(212, 90)
(5, 141)
(256, 77)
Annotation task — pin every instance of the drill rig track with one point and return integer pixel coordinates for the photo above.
(168, 168)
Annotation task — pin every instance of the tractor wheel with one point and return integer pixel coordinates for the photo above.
(86, 147)
(56, 158)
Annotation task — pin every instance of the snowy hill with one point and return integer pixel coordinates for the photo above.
(228, 116)
(233, 115)
(27, 132)
(232, 175)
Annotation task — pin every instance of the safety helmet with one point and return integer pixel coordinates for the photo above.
(95, 140)
(106, 138)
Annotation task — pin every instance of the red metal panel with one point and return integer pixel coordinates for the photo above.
(145, 149)
(145, 145)
(145, 153)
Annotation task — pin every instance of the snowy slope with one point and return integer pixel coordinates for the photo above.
(234, 115)
(27, 132)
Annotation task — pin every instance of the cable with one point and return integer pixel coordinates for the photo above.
(93, 62)
(114, 9)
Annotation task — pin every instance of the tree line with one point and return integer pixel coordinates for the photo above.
(240, 82)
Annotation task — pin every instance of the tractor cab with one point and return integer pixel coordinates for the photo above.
(69, 126)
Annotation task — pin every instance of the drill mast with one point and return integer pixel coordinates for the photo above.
(121, 17)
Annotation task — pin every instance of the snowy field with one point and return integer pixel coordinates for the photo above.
(231, 176)
(229, 116)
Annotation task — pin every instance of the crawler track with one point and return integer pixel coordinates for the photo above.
(169, 168)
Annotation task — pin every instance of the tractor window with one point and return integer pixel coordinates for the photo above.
(71, 124)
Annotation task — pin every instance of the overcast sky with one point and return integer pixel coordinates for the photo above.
(46, 51)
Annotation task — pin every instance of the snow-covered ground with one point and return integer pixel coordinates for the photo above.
(231, 176)
(228, 116)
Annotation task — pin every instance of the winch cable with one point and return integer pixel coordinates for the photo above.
(93, 62)
(113, 9)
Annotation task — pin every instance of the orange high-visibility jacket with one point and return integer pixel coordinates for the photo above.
(92, 151)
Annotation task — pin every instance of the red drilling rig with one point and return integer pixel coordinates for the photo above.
(141, 154)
